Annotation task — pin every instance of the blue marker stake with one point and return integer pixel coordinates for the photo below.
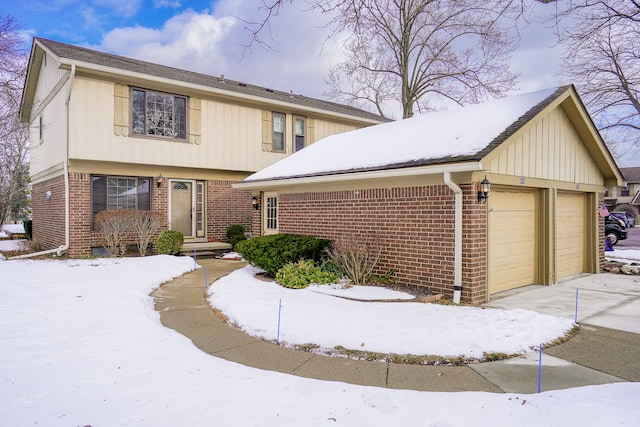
(575, 320)
(195, 265)
(206, 282)
(540, 369)
(279, 312)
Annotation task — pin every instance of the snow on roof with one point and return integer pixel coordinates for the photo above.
(440, 137)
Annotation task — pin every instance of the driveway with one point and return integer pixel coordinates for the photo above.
(632, 242)
(607, 300)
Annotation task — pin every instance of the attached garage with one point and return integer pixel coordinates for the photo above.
(415, 185)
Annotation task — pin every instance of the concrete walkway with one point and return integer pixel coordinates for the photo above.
(597, 355)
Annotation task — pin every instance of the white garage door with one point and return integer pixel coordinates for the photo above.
(511, 239)
(570, 234)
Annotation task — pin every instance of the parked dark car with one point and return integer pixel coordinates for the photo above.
(614, 229)
(628, 221)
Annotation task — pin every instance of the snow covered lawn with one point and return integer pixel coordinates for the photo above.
(80, 344)
(311, 315)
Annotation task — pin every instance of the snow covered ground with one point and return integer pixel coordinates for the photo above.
(311, 315)
(80, 344)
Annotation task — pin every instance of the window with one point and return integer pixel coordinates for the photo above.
(272, 214)
(298, 132)
(625, 191)
(40, 129)
(158, 114)
(120, 193)
(278, 131)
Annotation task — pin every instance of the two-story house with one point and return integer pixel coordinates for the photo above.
(109, 132)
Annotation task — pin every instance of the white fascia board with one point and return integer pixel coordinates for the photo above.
(359, 176)
(201, 88)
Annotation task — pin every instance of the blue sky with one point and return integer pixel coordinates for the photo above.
(210, 37)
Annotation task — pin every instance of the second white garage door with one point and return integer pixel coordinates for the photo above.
(570, 234)
(511, 239)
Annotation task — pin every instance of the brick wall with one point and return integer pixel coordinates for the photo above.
(48, 214)
(226, 207)
(413, 225)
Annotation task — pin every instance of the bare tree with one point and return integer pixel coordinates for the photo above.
(602, 42)
(406, 50)
(412, 51)
(14, 135)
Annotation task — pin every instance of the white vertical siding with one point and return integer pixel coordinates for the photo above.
(547, 148)
(231, 134)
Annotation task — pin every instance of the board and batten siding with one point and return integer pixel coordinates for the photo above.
(226, 136)
(547, 148)
(48, 108)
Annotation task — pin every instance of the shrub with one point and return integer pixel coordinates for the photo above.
(272, 252)
(235, 234)
(27, 224)
(302, 274)
(113, 225)
(170, 242)
(356, 258)
(146, 224)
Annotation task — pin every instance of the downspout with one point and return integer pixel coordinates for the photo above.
(60, 249)
(457, 237)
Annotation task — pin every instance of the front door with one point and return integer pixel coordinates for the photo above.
(182, 207)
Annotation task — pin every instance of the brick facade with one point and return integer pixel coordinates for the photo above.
(225, 207)
(48, 213)
(413, 225)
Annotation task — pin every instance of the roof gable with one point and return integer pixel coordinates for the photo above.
(88, 58)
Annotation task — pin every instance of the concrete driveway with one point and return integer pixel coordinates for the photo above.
(607, 300)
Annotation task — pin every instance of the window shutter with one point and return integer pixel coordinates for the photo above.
(121, 110)
(267, 131)
(195, 120)
(310, 131)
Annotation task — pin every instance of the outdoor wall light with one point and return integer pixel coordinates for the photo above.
(160, 179)
(47, 195)
(485, 188)
(255, 203)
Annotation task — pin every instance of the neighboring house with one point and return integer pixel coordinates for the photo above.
(629, 193)
(109, 132)
(412, 187)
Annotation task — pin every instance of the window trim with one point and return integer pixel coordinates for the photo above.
(132, 89)
(275, 114)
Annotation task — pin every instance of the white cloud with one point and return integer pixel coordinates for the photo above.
(167, 3)
(216, 43)
(124, 8)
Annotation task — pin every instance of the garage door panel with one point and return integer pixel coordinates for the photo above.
(511, 239)
(570, 234)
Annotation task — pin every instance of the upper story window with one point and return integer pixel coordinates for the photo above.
(278, 131)
(299, 126)
(158, 114)
(624, 191)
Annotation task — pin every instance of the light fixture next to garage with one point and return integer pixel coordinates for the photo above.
(485, 188)
(255, 203)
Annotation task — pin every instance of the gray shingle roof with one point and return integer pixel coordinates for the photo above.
(631, 174)
(82, 54)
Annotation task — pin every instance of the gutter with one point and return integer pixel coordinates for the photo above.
(60, 249)
(457, 239)
(270, 183)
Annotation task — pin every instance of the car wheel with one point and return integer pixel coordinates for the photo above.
(613, 237)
